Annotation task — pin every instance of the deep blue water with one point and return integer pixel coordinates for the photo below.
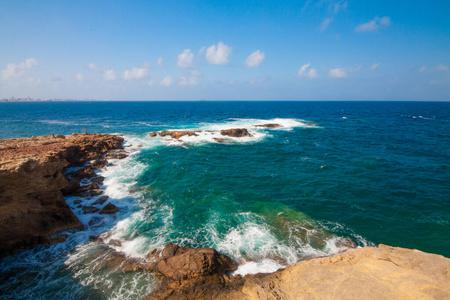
(372, 172)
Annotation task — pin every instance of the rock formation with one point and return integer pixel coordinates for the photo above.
(32, 206)
(237, 132)
(365, 273)
(270, 125)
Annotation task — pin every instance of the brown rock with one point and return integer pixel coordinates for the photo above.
(116, 154)
(177, 134)
(100, 200)
(237, 132)
(90, 209)
(114, 242)
(364, 273)
(271, 125)
(180, 263)
(95, 192)
(109, 209)
(220, 141)
(99, 163)
(98, 180)
(153, 134)
(72, 186)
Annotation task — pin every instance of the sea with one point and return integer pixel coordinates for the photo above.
(334, 173)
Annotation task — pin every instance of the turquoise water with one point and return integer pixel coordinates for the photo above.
(372, 172)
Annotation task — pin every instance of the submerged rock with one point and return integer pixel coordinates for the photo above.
(237, 132)
(90, 209)
(109, 209)
(271, 125)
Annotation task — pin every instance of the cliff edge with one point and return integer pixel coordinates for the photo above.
(364, 273)
(32, 206)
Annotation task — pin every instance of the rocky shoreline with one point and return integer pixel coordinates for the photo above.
(36, 173)
(33, 182)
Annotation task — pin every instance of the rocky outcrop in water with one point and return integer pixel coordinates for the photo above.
(365, 273)
(32, 206)
(175, 134)
(238, 132)
(270, 125)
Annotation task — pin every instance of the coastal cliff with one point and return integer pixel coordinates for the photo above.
(32, 206)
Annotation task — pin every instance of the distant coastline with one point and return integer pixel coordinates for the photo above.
(28, 99)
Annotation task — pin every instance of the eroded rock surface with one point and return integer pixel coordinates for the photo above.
(32, 206)
(365, 273)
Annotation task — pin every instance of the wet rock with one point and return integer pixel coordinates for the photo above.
(77, 202)
(153, 134)
(181, 263)
(109, 209)
(58, 239)
(99, 163)
(90, 209)
(114, 242)
(116, 154)
(189, 273)
(220, 141)
(98, 180)
(271, 125)
(237, 132)
(86, 172)
(95, 192)
(177, 134)
(345, 243)
(101, 200)
(72, 186)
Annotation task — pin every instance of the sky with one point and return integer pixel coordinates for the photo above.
(226, 50)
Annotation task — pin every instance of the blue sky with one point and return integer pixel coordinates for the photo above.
(225, 50)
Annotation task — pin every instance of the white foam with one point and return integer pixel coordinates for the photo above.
(253, 267)
(207, 133)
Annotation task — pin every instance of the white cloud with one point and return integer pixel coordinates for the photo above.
(94, 67)
(386, 21)
(442, 67)
(373, 24)
(218, 55)
(311, 73)
(79, 77)
(13, 70)
(255, 59)
(136, 73)
(191, 79)
(167, 81)
(337, 73)
(160, 62)
(109, 74)
(325, 24)
(341, 5)
(423, 69)
(374, 66)
(185, 59)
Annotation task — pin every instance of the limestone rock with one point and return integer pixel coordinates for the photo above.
(365, 273)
